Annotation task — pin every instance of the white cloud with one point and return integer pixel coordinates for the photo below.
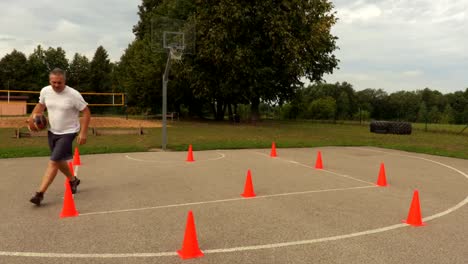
(409, 45)
(362, 13)
(413, 73)
(75, 25)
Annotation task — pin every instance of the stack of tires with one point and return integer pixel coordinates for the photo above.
(390, 127)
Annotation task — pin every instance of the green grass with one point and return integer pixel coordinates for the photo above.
(445, 128)
(211, 135)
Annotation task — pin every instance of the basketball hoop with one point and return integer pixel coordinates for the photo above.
(176, 53)
(174, 38)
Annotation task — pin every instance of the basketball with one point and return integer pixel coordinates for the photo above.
(37, 123)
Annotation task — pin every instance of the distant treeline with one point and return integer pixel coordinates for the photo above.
(320, 101)
(30, 73)
(340, 101)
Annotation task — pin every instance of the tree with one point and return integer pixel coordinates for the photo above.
(458, 102)
(37, 68)
(404, 105)
(261, 48)
(434, 115)
(14, 71)
(432, 98)
(322, 108)
(139, 75)
(465, 116)
(247, 51)
(448, 116)
(55, 58)
(343, 106)
(376, 102)
(422, 113)
(100, 71)
(364, 100)
(145, 11)
(79, 73)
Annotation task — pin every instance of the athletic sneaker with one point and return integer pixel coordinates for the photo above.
(74, 184)
(37, 198)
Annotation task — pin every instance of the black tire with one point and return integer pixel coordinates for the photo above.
(400, 128)
(380, 127)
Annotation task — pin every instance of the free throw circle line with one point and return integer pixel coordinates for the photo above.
(307, 166)
(222, 201)
(221, 156)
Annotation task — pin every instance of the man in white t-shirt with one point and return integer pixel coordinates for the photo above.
(64, 105)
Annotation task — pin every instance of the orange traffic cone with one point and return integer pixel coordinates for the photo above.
(76, 158)
(414, 215)
(190, 247)
(382, 180)
(70, 166)
(273, 150)
(68, 209)
(318, 163)
(248, 189)
(190, 154)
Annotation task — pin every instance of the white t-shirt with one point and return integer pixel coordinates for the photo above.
(63, 109)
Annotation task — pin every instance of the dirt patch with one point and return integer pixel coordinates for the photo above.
(122, 122)
(15, 122)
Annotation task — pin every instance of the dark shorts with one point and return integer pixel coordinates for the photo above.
(61, 146)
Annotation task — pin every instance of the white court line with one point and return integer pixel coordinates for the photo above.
(221, 156)
(428, 160)
(223, 200)
(254, 247)
(78, 255)
(307, 166)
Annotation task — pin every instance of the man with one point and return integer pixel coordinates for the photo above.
(64, 105)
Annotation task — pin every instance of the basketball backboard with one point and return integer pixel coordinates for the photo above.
(167, 33)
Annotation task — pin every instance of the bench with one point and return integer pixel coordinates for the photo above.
(170, 115)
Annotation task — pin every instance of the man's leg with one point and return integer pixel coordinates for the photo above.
(51, 172)
(61, 154)
(47, 179)
(74, 181)
(61, 148)
(49, 176)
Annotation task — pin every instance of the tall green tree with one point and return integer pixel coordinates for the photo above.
(404, 105)
(423, 114)
(100, 71)
(139, 76)
(261, 47)
(448, 116)
(322, 108)
(343, 106)
(79, 73)
(458, 102)
(14, 71)
(434, 115)
(247, 51)
(37, 68)
(146, 11)
(55, 58)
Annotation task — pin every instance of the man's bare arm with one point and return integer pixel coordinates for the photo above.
(84, 126)
(38, 110)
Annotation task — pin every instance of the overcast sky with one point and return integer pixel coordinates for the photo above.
(389, 44)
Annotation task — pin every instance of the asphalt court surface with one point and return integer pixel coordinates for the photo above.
(133, 208)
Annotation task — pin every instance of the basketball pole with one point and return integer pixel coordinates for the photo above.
(165, 80)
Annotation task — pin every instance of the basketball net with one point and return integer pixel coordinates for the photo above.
(176, 53)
